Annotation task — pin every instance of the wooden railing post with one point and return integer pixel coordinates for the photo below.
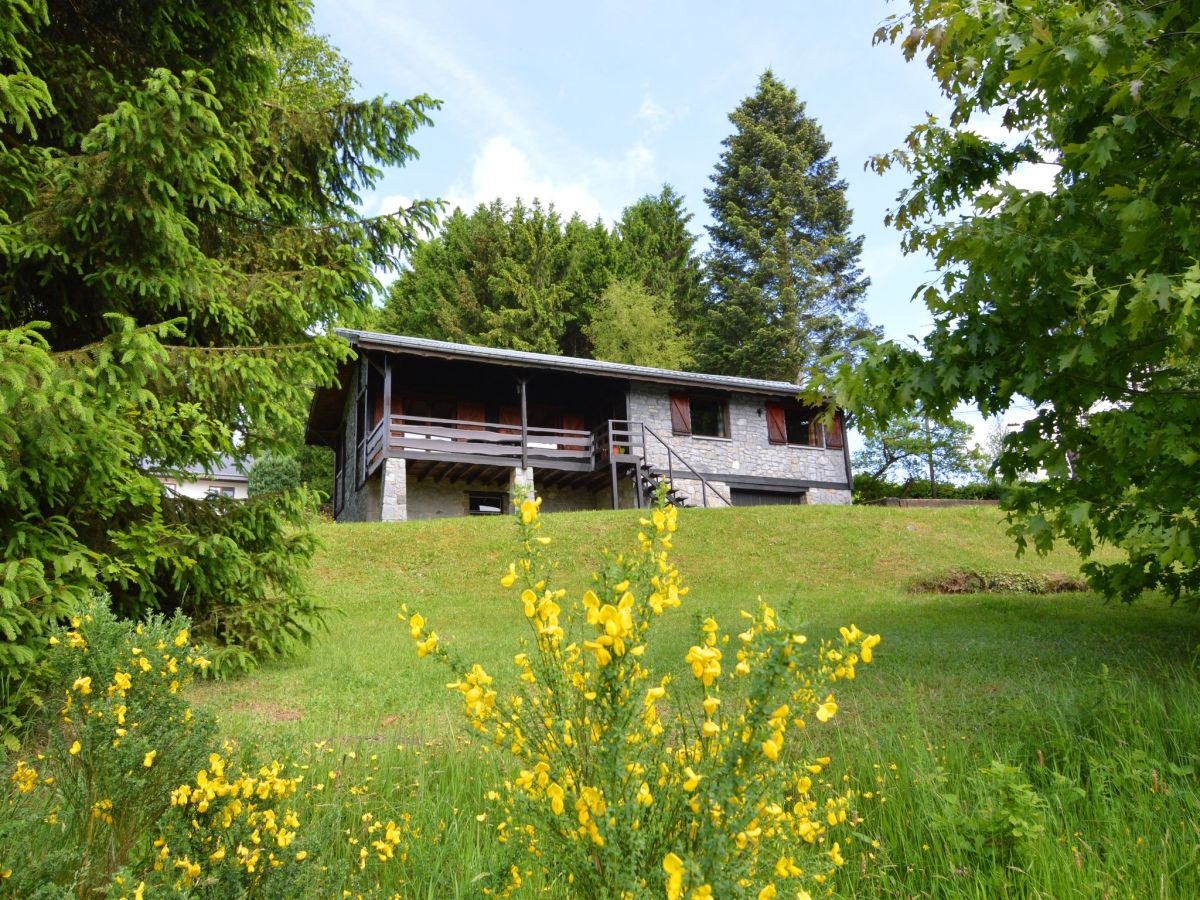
(612, 462)
(524, 427)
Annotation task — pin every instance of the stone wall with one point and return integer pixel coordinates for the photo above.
(829, 495)
(746, 452)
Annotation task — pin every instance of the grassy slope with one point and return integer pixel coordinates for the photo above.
(838, 565)
(1086, 709)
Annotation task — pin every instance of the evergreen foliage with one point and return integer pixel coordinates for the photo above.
(178, 227)
(273, 474)
(631, 325)
(522, 277)
(656, 249)
(1080, 298)
(517, 277)
(783, 266)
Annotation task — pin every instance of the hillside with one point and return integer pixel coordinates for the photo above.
(837, 565)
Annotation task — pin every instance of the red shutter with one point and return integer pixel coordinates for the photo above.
(471, 411)
(681, 414)
(510, 415)
(835, 440)
(573, 422)
(776, 423)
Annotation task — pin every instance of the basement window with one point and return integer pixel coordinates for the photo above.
(485, 504)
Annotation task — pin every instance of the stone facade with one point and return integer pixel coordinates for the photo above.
(746, 452)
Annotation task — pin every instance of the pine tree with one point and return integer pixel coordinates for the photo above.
(786, 286)
(517, 277)
(656, 249)
(179, 184)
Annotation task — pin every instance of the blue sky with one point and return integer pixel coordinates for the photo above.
(594, 105)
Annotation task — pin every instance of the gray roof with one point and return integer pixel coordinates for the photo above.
(520, 358)
(226, 469)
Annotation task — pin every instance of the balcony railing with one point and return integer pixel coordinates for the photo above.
(496, 443)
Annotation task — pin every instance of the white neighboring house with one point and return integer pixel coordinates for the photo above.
(226, 479)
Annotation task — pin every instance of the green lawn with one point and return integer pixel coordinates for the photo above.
(836, 565)
(1063, 713)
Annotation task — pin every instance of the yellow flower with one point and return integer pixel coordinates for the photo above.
(181, 638)
(771, 747)
(827, 710)
(868, 644)
(510, 577)
(217, 855)
(710, 705)
(767, 893)
(529, 510)
(75, 748)
(83, 684)
(428, 645)
(706, 663)
(644, 796)
(415, 624)
(835, 854)
(122, 681)
(693, 779)
(555, 792)
(673, 866)
(148, 759)
(710, 729)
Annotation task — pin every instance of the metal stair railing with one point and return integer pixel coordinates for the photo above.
(672, 456)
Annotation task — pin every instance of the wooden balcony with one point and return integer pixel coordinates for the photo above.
(473, 443)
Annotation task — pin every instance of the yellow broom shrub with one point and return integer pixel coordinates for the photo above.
(629, 782)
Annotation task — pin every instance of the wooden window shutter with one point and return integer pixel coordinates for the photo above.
(835, 439)
(776, 423)
(510, 415)
(572, 421)
(471, 411)
(681, 414)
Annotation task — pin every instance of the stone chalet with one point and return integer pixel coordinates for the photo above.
(423, 429)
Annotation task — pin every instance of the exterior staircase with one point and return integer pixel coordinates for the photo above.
(624, 445)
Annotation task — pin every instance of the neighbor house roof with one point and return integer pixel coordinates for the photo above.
(325, 410)
(226, 469)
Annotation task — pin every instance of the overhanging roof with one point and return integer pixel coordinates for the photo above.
(522, 359)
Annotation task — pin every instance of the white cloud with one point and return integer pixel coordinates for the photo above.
(502, 169)
(390, 203)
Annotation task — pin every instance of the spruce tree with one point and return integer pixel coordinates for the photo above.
(656, 249)
(179, 184)
(786, 286)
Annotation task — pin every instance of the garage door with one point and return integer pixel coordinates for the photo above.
(743, 497)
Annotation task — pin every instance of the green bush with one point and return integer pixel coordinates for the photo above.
(274, 474)
(868, 489)
(973, 581)
(129, 790)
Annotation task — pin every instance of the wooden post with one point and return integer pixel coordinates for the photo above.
(387, 404)
(524, 426)
(929, 446)
(612, 462)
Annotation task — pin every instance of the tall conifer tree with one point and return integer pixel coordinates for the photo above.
(179, 184)
(656, 249)
(786, 286)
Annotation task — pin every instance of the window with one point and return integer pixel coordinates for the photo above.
(481, 504)
(221, 492)
(801, 429)
(800, 426)
(702, 415)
